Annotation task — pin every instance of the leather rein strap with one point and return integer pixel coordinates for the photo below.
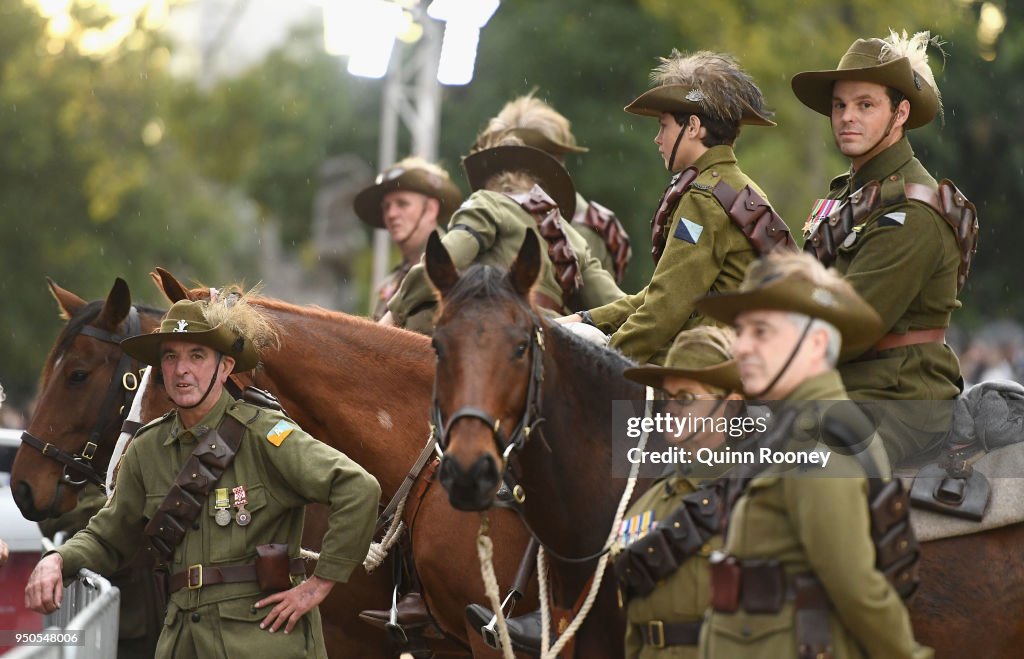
(123, 386)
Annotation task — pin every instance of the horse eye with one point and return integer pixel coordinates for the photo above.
(78, 376)
(521, 349)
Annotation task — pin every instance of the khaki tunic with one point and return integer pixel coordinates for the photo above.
(904, 263)
(219, 621)
(488, 229)
(705, 252)
(818, 525)
(682, 597)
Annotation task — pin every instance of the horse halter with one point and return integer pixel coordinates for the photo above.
(124, 383)
(530, 419)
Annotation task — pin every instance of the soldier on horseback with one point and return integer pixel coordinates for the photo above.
(712, 219)
(814, 564)
(903, 241)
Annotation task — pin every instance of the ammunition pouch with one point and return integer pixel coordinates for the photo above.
(181, 506)
(273, 567)
(755, 217)
(811, 604)
(825, 235)
(604, 222)
(726, 575)
(563, 257)
(896, 549)
(661, 552)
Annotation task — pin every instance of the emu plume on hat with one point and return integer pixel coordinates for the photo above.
(898, 61)
(707, 83)
(537, 124)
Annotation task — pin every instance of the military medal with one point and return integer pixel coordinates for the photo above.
(242, 517)
(222, 503)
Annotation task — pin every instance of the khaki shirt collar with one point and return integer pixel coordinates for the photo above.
(207, 422)
(827, 386)
(884, 164)
(716, 155)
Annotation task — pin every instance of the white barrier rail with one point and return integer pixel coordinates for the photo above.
(89, 612)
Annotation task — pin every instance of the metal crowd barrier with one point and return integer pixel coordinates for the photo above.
(90, 612)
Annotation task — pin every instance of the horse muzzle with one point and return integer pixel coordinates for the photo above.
(470, 489)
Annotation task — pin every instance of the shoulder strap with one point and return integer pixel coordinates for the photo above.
(663, 216)
(755, 217)
(563, 257)
(214, 453)
(959, 213)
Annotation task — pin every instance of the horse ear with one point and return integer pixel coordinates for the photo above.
(526, 267)
(440, 267)
(68, 302)
(169, 285)
(117, 306)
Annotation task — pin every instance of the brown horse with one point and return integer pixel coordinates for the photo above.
(501, 370)
(366, 390)
(71, 411)
(971, 599)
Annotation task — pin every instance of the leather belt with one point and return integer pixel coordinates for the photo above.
(913, 337)
(198, 576)
(658, 634)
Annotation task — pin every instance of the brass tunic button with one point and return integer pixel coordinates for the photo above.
(252, 609)
(893, 177)
(714, 173)
(195, 616)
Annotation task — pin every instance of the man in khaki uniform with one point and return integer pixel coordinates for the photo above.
(898, 248)
(701, 101)
(516, 189)
(410, 199)
(539, 125)
(800, 577)
(223, 603)
(665, 622)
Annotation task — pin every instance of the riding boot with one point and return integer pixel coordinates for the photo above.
(412, 613)
(524, 631)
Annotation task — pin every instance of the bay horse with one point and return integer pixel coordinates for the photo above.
(365, 389)
(500, 366)
(83, 372)
(971, 599)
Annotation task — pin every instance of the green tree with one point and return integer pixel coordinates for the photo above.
(90, 188)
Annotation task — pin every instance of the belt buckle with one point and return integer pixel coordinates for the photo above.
(656, 634)
(195, 583)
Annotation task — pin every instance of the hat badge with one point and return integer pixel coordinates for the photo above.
(823, 297)
(695, 96)
(182, 326)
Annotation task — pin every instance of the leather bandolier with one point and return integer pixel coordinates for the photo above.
(763, 586)
(748, 210)
(563, 257)
(604, 222)
(823, 236)
(213, 454)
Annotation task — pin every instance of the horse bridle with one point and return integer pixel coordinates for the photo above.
(528, 422)
(125, 380)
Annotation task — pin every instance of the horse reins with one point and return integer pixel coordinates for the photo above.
(123, 385)
(528, 422)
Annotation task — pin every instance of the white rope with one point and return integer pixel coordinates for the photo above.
(485, 553)
(602, 563)
(134, 414)
(379, 550)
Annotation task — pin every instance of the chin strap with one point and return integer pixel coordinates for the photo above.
(213, 380)
(675, 147)
(789, 360)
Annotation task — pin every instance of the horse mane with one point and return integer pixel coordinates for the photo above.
(488, 283)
